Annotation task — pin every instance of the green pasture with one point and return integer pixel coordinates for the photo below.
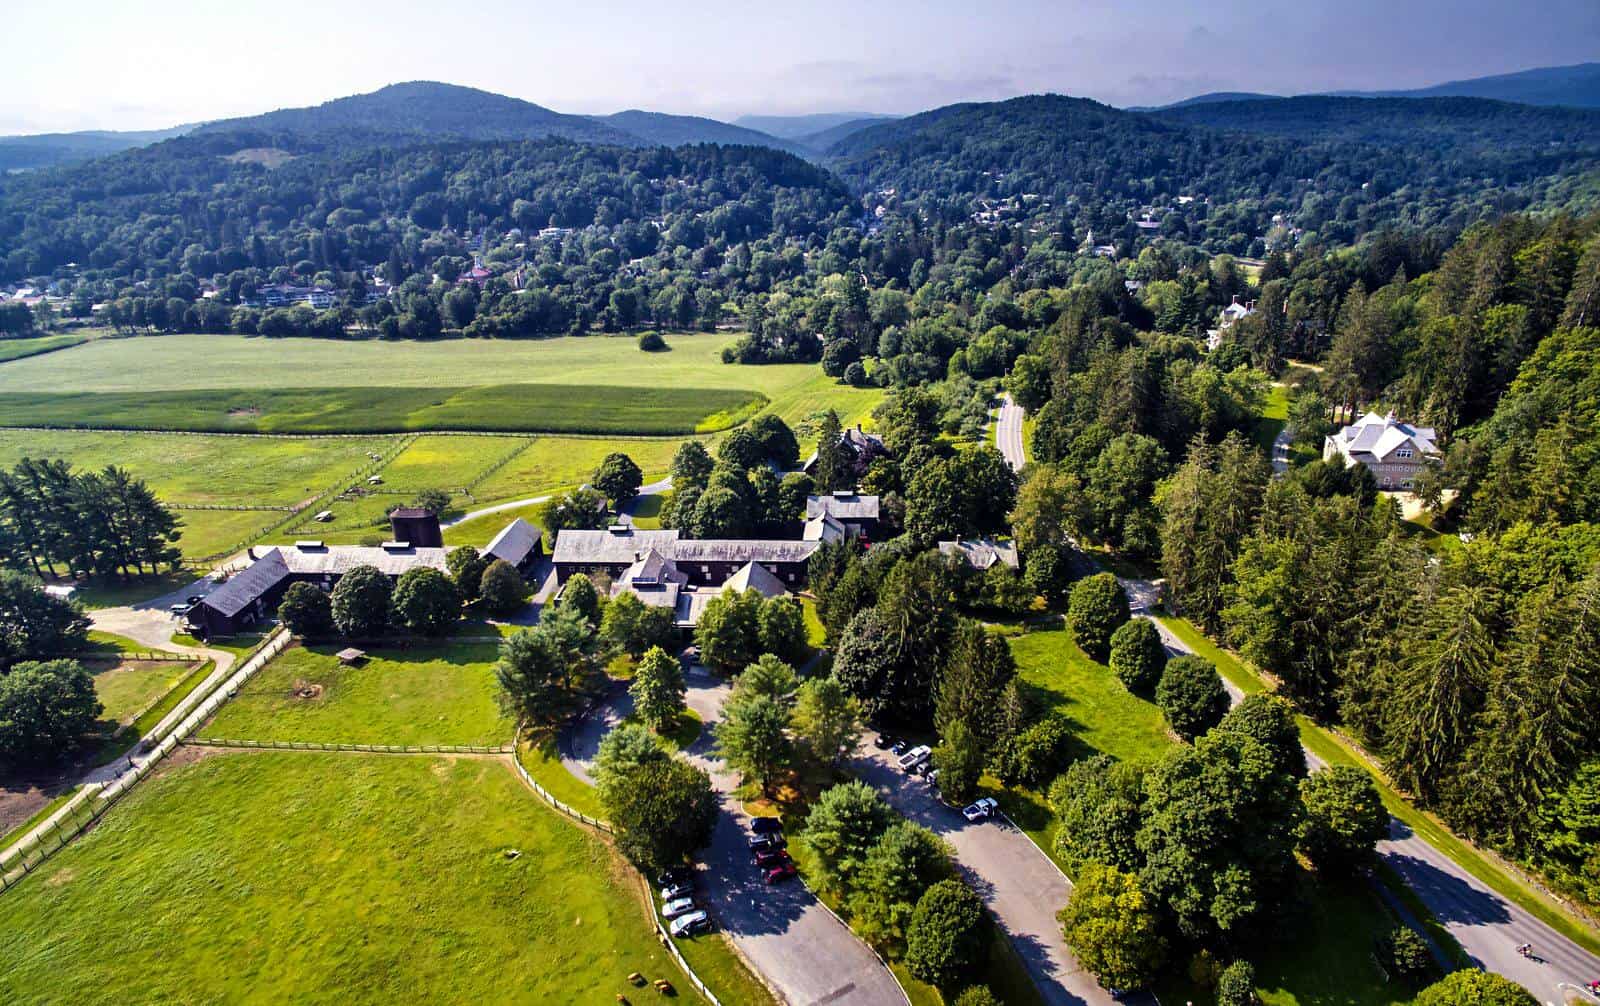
(276, 877)
(126, 689)
(430, 694)
(17, 349)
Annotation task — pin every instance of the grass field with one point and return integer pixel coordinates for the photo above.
(304, 877)
(684, 378)
(449, 462)
(182, 468)
(17, 349)
(436, 694)
(125, 689)
(557, 462)
(574, 408)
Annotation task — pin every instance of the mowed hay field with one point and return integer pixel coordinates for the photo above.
(433, 694)
(314, 385)
(275, 877)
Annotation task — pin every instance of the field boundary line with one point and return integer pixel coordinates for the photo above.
(34, 849)
(348, 747)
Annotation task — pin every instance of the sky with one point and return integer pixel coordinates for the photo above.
(115, 64)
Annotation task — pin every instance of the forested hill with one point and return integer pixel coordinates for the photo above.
(1341, 167)
(1473, 126)
(428, 109)
(676, 130)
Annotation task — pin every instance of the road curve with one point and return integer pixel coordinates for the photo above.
(1488, 927)
(805, 954)
(1008, 431)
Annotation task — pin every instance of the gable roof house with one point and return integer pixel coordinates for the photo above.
(982, 553)
(858, 513)
(704, 562)
(863, 448)
(1393, 451)
(518, 543)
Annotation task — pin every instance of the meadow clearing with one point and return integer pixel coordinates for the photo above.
(609, 393)
(355, 878)
(430, 694)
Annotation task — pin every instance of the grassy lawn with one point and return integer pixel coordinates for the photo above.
(435, 694)
(555, 462)
(713, 958)
(125, 689)
(302, 877)
(185, 468)
(1106, 716)
(1274, 416)
(448, 462)
(109, 643)
(17, 349)
(479, 531)
(1335, 750)
(543, 761)
(109, 592)
(215, 534)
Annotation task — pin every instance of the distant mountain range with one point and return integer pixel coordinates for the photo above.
(1576, 86)
(419, 110)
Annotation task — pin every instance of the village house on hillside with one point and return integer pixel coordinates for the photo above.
(864, 448)
(1394, 452)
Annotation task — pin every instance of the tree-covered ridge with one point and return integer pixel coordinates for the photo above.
(423, 108)
(179, 207)
(1437, 163)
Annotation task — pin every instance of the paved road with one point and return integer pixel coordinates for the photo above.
(1488, 927)
(803, 951)
(1008, 432)
(1280, 450)
(1019, 883)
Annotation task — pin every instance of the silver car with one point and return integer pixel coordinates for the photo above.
(673, 909)
(687, 925)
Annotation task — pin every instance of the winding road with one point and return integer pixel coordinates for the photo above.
(1488, 927)
(1008, 431)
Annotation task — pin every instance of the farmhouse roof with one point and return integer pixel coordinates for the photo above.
(619, 545)
(409, 512)
(845, 506)
(337, 560)
(741, 550)
(824, 528)
(243, 588)
(1380, 435)
(981, 553)
(514, 542)
(757, 578)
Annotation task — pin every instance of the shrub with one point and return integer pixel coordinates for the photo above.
(502, 589)
(651, 342)
(1035, 756)
(1138, 656)
(781, 627)
(306, 611)
(1047, 569)
(843, 826)
(661, 810)
(1270, 720)
(426, 601)
(579, 595)
(1097, 607)
(1471, 987)
(855, 375)
(46, 709)
(1405, 955)
(977, 995)
(1236, 986)
(944, 940)
(1344, 818)
(1191, 695)
(466, 565)
(1111, 925)
(618, 477)
(360, 602)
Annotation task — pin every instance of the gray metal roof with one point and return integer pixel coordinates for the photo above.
(611, 547)
(845, 507)
(757, 578)
(337, 560)
(981, 553)
(740, 550)
(243, 588)
(514, 542)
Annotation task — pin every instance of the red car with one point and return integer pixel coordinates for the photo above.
(784, 871)
(768, 860)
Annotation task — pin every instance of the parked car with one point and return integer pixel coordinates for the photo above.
(767, 843)
(681, 906)
(774, 857)
(784, 871)
(980, 811)
(933, 778)
(687, 925)
(898, 747)
(194, 598)
(676, 891)
(766, 826)
(180, 609)
(916, 756)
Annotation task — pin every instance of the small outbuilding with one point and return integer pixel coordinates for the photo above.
(350, 656)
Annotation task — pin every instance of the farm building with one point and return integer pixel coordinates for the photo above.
(858, 513)
(704, 562)
(981, 553)
(657, 581)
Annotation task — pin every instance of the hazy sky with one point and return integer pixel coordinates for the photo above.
(139, 64)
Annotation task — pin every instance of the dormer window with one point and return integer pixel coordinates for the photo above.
(1404, 452)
